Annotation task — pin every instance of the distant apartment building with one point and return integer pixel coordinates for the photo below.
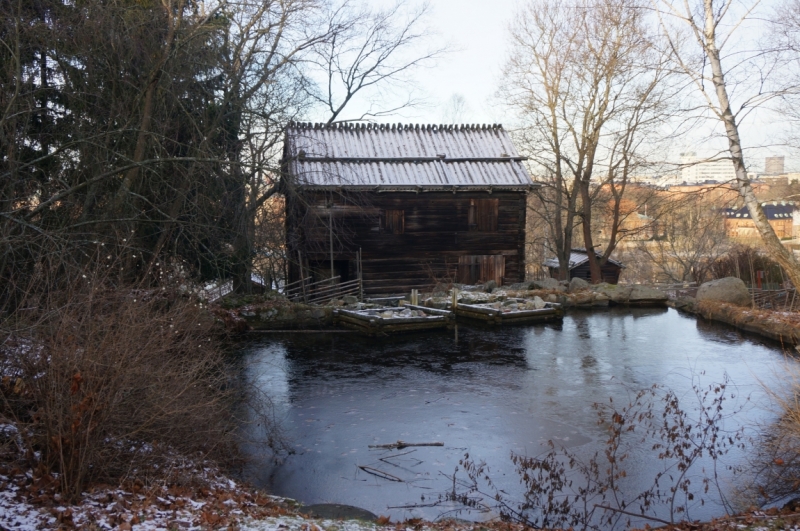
(695, 171)
(774, 165)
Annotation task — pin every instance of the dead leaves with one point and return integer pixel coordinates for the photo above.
(216, 504)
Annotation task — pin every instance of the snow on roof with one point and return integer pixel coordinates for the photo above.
(404, 157)
(578, 257)
(772, 209)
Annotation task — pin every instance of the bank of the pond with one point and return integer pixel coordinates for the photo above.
(274, 312)
(197, 496)
(201, 497)
(782, 327)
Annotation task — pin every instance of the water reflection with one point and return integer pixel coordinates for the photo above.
(487, 391)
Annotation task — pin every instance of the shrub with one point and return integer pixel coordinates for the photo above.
(561, 490)
(98, 381)
(776, 463)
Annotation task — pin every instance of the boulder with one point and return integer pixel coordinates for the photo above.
(538, 303)
(547, 283)
(577, 284)
(552, 298)
(615, 293)
(583, 298)
(490, 286)
(645, 295)
(728, 289)
(686, 304)
(350, 299)
(438, 303)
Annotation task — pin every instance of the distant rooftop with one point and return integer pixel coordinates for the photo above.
(772, 209)
(404, 157)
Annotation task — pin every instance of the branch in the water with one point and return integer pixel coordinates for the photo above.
(385, 459)
(399, 445)
(379, 473)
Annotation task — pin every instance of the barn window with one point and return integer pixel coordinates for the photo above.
(482, 215)
(394, 221)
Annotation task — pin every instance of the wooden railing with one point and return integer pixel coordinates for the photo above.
(776, 299)
(678, 290)
(305, 290)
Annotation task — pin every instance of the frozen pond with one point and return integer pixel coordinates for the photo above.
(486, 392)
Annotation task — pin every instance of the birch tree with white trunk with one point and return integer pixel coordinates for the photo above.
(712, 26)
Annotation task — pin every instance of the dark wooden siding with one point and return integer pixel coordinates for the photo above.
(435, 233)
(609, 272)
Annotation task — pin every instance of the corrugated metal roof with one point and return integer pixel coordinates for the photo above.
(397, 156)
(577, 257)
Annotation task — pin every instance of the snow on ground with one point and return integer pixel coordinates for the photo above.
(209, 500)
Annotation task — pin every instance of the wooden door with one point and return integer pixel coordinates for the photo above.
(480, 268)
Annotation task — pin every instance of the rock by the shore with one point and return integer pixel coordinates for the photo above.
(577, 284)
(547, 283)
(645, 295)
(338, 511)
(728, 289)
(686, 304)
(636, 295)
(615, 293)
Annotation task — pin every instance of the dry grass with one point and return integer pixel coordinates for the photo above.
(743, 314)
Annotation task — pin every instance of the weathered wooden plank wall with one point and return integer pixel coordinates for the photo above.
(435, 234)
(609, 273)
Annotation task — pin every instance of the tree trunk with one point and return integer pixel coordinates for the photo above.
(774, 247)
(588, 241)
(131, 178)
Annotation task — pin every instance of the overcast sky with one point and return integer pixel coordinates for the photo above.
(476, 32)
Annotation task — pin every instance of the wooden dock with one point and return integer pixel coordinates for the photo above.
(488, 313)
(387, 321)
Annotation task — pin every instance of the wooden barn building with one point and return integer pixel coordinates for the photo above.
(579, 267)
(406, 206)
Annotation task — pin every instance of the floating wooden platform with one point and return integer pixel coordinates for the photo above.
(385, 321)
(506, 316)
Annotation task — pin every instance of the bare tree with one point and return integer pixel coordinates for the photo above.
(690, 237)
(370, 53)
(455, 110)
(590, 87)
(712, 26)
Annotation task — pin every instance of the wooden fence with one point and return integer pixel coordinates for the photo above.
(676, 291)
(785, 300)
(305, 290)
(780, 299)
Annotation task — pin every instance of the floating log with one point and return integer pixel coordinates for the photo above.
(399, 445)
